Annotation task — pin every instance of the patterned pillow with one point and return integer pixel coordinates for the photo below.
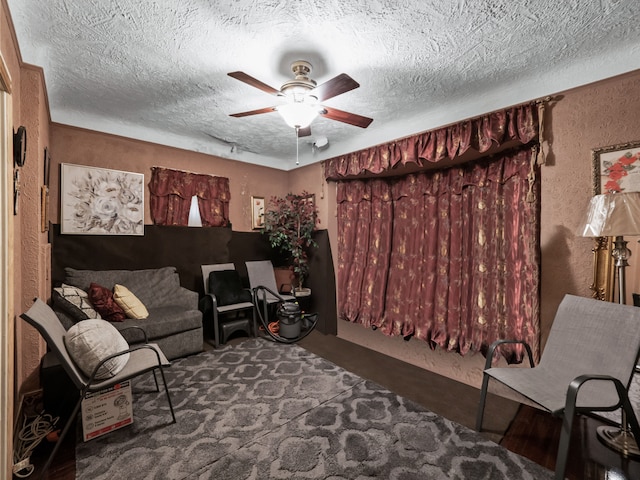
(131, 305)
(102, 300)
(75, 302)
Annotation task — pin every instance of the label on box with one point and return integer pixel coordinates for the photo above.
(107, 410)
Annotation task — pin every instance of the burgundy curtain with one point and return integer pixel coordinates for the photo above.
(449, 256)
(171, 192)
(515, 124)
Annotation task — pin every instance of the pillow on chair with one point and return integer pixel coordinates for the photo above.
(91, 341)
(227, 287)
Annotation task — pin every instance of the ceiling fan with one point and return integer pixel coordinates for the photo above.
(303, 98)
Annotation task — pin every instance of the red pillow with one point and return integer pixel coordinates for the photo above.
(102, 300)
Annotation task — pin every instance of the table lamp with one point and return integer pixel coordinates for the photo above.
(616, 215)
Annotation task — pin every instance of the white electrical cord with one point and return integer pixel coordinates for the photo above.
(29, 437)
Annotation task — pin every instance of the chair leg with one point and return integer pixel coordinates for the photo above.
(563, 446)
(166, 389)
(255, 321)
(155, 379)
(631, 419)
(62, 436)
(567, 426)
(265, 309)
(216, 329)
(483, 399)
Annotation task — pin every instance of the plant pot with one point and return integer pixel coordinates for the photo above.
(285, 279)
(302, 292)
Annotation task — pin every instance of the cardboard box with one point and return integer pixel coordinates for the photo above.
(107, 410)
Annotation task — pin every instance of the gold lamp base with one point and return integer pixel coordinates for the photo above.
(621, 441)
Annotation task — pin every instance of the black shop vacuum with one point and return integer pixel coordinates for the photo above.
(290, 324)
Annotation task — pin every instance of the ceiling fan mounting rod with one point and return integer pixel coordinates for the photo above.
(301, 83)
(297, 146)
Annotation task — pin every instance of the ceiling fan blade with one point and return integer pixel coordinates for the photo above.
(254, 82)
(346, 117)
(253, 112)
(304, 132)
(336, 86)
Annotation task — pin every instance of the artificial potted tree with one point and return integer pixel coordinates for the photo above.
(289, 223)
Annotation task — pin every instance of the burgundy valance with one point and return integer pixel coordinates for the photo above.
(171, 193)
(448, 181)
(518, 123)
(166, 181)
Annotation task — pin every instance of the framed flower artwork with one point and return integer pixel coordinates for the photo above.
(100, 201)
(616, 168)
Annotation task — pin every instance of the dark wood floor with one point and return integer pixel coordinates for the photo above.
(529, 432)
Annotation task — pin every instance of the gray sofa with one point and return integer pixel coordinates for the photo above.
(174, 321)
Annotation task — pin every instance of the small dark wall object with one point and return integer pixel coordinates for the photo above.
(636, 299)
(16, 190)
(20, 146)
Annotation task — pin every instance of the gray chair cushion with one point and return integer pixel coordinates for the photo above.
(588, 337)
(174, 319)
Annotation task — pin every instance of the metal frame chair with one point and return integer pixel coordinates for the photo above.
(217, 310)
(587, 366)
(261, 274)
(142, 359)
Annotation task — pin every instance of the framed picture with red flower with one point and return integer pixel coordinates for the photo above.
(616, 168)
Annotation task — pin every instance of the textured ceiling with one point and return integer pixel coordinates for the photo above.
(157, 69)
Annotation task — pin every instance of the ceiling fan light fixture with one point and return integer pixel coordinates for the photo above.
(298, 114)
(304, 98)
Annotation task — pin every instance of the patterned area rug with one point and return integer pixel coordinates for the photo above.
(262, 410)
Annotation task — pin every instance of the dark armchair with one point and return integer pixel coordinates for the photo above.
(225, 300)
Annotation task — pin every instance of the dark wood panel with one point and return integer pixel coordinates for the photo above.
(182, 247)
(250, 246)
(322, 284)
(187, 249)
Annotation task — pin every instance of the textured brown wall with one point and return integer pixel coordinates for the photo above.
(31, 243)
(86, 147)
(28, 247)
(602, 114)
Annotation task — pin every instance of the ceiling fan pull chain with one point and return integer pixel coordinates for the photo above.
(297, 146)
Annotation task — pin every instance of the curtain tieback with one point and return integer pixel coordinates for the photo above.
(531, 176)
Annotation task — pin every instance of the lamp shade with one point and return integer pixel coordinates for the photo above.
(298, 114)
(612, 214)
